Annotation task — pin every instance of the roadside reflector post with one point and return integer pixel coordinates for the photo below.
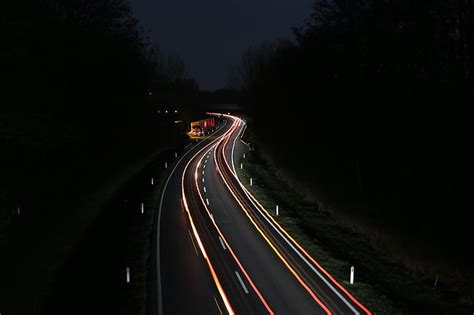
(18, 210)
(127, 271)
(241, 166)
(176, 154)
(352, 275)
(152, 181)
(166, 164)
(251, 182)
(143, 208)
(244, 155)
(277, 210)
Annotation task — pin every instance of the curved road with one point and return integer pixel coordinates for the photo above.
(220, 252)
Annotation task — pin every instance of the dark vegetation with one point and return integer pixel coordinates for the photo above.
(381, 284)
(121, 237)
(80, 88)
(367, 114)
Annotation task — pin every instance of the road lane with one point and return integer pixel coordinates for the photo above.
(183, 277)
(221, 254)
(319, 281)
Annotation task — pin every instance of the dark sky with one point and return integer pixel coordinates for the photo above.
(211, 35)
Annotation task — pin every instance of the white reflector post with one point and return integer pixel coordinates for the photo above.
(166, 164)
(277, 210)
(176, 154)
(352, 275)
(18, 210)
(143, 208)
(241, 166)
(152, 181)
(127, 271)
(251, 182)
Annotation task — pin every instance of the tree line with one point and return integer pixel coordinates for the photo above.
(379, 91)
(80, 83)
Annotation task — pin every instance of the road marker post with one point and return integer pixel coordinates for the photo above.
(244, 155)
(176, 154)
(352, 275)
(18, 210)
(127, 271)
(241, 166)
(143, 208)
(166, 164)
(152, 181)
(277, 210)
(251, 182)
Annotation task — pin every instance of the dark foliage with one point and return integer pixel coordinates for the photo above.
(75, 108)
(370, 107)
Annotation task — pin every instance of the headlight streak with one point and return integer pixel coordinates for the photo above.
(272, 246)
(268, 217)
(226, 141)
(196, 234)
(223, 239)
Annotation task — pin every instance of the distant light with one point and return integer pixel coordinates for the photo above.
(166, 112)
(176, 111)
(149, 93)
(159, 112)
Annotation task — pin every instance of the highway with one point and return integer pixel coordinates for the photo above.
(219, 251)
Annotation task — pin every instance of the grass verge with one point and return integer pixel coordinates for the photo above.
(380, 284)
(93, 279)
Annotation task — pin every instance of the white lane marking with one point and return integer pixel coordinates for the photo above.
(160, 207)
(205, 161)
(204, 166)
(203, 179)
(205, 190)
(241, 282)
(315, 270)
(222, 243)
(218, 307)
(194, 245)
(207, 201)
(202, 172)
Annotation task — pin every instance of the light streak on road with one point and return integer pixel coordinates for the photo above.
(234, 256)
(315, 266)
(269, 242)
(198, 239)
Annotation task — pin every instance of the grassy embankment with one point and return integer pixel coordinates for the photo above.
(383, 286)
(121, 237)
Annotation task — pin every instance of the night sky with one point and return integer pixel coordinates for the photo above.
(211, 35)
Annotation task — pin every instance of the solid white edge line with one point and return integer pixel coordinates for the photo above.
(315, 270)
(160, 296)
(241, 282)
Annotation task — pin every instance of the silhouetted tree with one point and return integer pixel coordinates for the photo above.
(379, 89)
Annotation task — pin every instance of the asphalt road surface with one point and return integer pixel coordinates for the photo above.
(220, 252)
